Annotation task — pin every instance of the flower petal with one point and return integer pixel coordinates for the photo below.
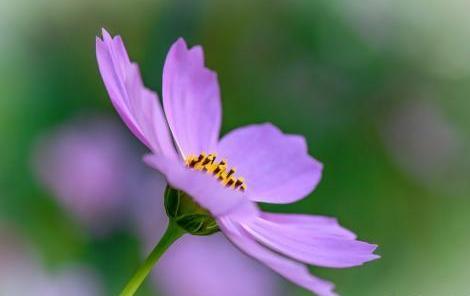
(276, 167)
(315, 224)
(191, 99)
(322, 247)
(204, 188)
(138, 106)
(291, 270)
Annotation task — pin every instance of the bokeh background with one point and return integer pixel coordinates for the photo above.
(380, 89)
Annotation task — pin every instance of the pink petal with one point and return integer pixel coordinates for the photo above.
(191, 99)
(291, 270)
(310, 243)
(276, 166)
(317, 224)
(204, 188)
(138, 106)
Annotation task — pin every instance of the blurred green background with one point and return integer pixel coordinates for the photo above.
(380, 89)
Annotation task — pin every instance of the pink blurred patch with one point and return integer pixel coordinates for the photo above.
(88, 167)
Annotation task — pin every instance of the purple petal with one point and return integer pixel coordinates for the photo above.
(204, 188)
(317, 224)
(276, 167)
(138, 106)
(310, 243)
(291, 270)
(191, 99)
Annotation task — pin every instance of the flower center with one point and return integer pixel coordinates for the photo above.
(219, 170)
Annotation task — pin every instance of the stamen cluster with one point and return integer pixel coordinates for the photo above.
(207, 163)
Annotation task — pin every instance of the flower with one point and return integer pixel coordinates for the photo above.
(185, 270)
(272, 167)
(84, 164)
(22, 274)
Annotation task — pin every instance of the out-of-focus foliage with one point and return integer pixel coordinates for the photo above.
(380, 89)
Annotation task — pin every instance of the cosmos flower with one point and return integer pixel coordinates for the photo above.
(185, 268)
(271, 167)
(84, 163)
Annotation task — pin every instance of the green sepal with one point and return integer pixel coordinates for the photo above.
(187, 214)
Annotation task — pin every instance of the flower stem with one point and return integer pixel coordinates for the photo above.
(172, 233)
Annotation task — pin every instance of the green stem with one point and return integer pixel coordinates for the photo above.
(172, 233)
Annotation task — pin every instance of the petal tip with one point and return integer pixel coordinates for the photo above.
(180, 43)
(372, 256)
(375, 257)
(105, 34)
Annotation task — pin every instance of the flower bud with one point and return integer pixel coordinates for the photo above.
(187, 214)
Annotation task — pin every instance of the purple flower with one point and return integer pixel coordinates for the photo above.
(22, 274)
(85, 165)
(272, 167)
(185, 269)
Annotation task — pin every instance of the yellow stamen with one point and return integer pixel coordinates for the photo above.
(207, 163)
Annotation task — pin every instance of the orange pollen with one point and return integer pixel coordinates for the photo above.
(219, 170)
